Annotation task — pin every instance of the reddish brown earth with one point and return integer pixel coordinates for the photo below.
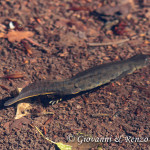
(62, 31)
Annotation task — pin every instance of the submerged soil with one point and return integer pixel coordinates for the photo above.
(65, 33)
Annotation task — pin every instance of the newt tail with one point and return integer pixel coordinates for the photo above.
(83, 81)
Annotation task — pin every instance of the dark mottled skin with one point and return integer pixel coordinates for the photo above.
(83, 81)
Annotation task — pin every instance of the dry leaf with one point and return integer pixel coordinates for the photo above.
(13, 76)
(22, 110)
(18, 35)
(2, 28)
(27, 108)
(2, 35)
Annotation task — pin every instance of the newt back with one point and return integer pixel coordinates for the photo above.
(83, 81)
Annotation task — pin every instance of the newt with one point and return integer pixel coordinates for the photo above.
(83, 81)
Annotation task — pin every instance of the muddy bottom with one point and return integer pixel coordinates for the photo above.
(55, 40)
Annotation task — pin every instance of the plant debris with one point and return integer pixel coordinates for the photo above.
(13, 76)
(59, 49)
(17, 36)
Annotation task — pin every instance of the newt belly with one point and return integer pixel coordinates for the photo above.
(83, 81)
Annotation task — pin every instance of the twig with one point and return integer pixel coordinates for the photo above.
(47, 50)
(43, 135)
(48, 121)
(13, 76)
(99, 115)
(59, 144)
(109, 43)
(4, 87)
(114, 42)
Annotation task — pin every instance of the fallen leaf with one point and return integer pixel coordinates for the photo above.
(2, 28)
(22, 110)
(4, 87)
(28, 108)
(13, 76)
(2, 35)
(63, 146)
(74, 144)
(27, 46)
(18, 35)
